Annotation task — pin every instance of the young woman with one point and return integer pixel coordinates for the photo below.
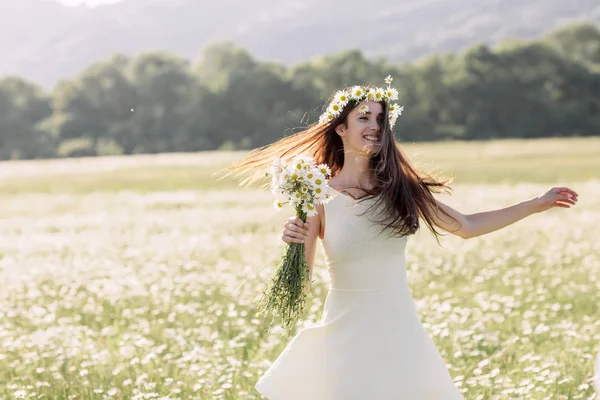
(370, 343)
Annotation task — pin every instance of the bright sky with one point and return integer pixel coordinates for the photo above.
(88, 2)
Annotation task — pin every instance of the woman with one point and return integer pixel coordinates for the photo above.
(370, 342)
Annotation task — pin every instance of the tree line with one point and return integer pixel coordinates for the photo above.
(157, 102)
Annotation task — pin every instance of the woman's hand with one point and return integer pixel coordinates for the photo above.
(555, 197)
(295, 230)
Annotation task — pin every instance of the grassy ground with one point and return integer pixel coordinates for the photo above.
(136, 277)
(509, 161)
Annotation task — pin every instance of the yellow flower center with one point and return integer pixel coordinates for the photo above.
(318, 190)
(318, 182)
(309, 175)
(294, 176)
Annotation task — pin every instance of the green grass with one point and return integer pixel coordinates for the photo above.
(508, 161)
(138, 276)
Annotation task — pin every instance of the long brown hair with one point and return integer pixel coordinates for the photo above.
(405, 191)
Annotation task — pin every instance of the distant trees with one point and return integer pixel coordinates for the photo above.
(156, 102)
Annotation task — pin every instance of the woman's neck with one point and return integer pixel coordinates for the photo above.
(344, 179)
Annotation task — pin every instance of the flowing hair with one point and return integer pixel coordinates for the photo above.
(405, 192)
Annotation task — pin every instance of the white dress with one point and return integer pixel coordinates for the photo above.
(370, 343)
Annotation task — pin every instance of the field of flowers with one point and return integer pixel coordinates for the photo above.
(113, 290)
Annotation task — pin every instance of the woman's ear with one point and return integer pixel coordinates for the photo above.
(340, 129)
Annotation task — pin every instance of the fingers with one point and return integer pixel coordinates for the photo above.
(562, 189)
(298, 222)
(558, 204)
(291, 237)
(566, 203)
(295, 230)
(566, 198)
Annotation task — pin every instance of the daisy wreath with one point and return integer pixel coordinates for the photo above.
(358, 94)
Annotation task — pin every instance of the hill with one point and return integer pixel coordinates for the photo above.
(45, 40)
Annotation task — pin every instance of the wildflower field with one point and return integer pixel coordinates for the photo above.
(136, 277)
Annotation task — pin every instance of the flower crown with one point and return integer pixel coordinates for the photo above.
(358, 94)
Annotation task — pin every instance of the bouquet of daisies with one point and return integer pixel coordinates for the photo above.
(301, 184)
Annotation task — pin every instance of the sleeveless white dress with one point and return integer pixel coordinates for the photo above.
(370, 343)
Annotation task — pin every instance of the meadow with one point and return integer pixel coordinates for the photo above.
(136, 277)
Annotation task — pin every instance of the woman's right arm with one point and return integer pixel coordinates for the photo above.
(296, 231)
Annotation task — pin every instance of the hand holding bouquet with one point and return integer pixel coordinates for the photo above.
(302, 184)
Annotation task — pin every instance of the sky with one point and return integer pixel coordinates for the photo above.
(91, 3)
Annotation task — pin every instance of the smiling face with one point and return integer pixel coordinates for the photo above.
(361, 133)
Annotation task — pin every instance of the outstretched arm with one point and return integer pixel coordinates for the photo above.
(472, 225)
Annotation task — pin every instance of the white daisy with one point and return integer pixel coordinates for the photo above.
(324, 169)
(395, 111)
(319, 181)
(371, 94)
(321, 195)
(305, 159)
(341, 97)
(392, 94)
(335, 108)
(309, 209)
(357, 93)
(389, 79)
(278, 204)
(363, 109)
(296, 197)
(278, 164)
(379, 94)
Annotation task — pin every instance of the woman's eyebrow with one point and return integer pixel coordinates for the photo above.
(369, 112)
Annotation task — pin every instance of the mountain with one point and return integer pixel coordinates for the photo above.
(45, 41)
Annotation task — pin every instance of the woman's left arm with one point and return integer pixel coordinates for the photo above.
(472, 225)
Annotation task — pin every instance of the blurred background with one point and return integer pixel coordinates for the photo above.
(150, 76)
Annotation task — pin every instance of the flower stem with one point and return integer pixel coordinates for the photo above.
(286, 292)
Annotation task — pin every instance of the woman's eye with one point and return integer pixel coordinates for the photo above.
(363, 118)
